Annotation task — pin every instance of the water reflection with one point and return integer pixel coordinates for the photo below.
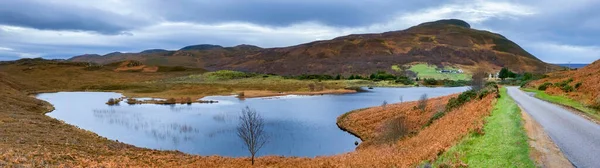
(296, 125)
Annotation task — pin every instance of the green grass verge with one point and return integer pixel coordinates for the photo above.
(429, 71)
(504, 143)
(565, 101)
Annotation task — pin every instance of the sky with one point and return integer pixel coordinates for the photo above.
(556, 31)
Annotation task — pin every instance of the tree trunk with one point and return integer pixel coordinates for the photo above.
(252, 159)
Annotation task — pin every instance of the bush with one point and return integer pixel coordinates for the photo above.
(596, 103)
(577, 85)
(567, 88)
(456, 83)
(112, 101)
(430, 81)
(171, 101)
(544, 86)
(131, 101)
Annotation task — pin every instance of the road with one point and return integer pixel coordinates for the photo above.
(577, 137)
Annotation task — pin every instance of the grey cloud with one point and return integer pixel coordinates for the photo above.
(340, 13)
(45, 15)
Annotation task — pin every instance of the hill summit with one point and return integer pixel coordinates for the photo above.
(449, 42)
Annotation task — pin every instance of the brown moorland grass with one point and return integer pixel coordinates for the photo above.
(368, 123)
(51, 76)
(31, 139)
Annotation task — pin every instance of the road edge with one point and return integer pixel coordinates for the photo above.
(543, 151)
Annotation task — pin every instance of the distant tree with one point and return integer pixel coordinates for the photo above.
(251, 130)
(422, 104)
(351, 77)
(504, 73)
(373, 76)
(338, 77)
(478, 79)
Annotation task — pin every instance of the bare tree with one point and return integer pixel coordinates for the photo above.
(394, 129)
(478, 79)
(251, 130)
(385, 103)
(422, 102)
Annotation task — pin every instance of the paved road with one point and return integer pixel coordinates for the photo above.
(577, 137)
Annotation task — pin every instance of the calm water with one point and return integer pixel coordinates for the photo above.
(297, 125)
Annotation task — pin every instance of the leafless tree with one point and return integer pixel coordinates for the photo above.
(385, 103)
(394, 129)
(478, 79)
(251, 130)
(422, 102)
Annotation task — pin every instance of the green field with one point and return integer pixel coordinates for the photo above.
(503, 144)
(429, 71)
(565, 101)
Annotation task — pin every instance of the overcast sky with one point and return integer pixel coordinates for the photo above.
(556, 31)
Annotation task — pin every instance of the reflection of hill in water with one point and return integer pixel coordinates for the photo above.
(160, 131)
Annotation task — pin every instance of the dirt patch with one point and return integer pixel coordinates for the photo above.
(543, 150)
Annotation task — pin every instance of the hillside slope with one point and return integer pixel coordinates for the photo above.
(444, 42)
(588, 79)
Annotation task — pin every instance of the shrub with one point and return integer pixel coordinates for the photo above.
(544, 86)
(577, 85)
(567, 88)
(384, 104)
(188, 100)
(112, 101)
(429, 81)
(241, 94)
(131, 101)
(171, 101)
(596, 103)
(462, 99)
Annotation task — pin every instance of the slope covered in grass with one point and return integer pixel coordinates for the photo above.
(565, 101)
(503, 142)
(430, 71)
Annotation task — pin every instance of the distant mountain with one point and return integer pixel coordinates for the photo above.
(444, 42)
(573, 65)
(201, 47)
(152, 51)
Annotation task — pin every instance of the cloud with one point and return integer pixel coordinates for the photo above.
(62, 28)
(472, 12)
(62, 15)
(5, 49)
(563, 53)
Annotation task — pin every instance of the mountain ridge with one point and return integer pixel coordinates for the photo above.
(449, 42)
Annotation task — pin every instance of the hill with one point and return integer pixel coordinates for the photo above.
(582, 85)
(442, 43)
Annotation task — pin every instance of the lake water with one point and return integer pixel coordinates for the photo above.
(297, 125)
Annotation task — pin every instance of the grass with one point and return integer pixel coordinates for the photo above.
(565, 101)
(503, 144)
(429, 71)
